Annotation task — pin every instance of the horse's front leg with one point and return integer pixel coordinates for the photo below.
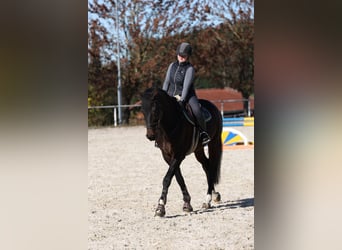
(160, 211)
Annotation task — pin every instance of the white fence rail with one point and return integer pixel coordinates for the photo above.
(115, 107)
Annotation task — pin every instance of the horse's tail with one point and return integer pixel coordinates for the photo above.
(215, 145)
(215, 156)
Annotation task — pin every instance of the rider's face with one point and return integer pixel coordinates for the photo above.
(181, 58)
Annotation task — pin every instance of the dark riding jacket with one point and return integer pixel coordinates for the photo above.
(179, 80)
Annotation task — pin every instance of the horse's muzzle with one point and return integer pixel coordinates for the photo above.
(150, 135)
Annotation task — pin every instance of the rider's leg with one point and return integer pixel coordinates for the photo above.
(196, 109)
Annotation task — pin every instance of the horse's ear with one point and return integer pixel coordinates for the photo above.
(146, 93)
(156, 84)
(142, 94)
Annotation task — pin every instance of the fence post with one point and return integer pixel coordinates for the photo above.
(249, 108)
(115, 120)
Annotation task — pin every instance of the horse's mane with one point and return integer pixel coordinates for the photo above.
(166, 104)
(158, 94)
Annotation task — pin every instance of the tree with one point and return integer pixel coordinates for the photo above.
(100, 77)
(142, 25)
(220, 32)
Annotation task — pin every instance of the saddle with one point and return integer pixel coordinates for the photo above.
(188, 114)
(187, 111)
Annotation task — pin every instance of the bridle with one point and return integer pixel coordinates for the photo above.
(155, 116)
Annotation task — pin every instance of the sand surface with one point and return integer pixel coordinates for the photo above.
(125, 173)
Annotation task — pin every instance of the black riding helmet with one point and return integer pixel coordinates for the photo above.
(184, 49)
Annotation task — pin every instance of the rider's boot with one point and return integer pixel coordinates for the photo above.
(204, 137)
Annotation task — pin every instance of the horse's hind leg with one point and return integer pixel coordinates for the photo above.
(186, 196)
(200, 156)
(215, 157)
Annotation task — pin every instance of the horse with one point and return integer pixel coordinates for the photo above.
(176, 135)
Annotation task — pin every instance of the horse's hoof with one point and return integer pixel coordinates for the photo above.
(216, 196)
(160, 211)
(206, 205)
(187, 207)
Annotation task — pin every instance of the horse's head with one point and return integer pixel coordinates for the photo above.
(151, 112)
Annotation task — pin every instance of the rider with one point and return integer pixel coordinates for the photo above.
(179, 83)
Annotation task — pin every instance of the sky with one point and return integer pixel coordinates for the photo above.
(216, 8)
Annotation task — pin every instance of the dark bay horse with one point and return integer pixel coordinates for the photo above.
(177, 137)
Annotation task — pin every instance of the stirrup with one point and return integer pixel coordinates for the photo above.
(205, 138)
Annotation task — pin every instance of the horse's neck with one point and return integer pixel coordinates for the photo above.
(171, 116)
